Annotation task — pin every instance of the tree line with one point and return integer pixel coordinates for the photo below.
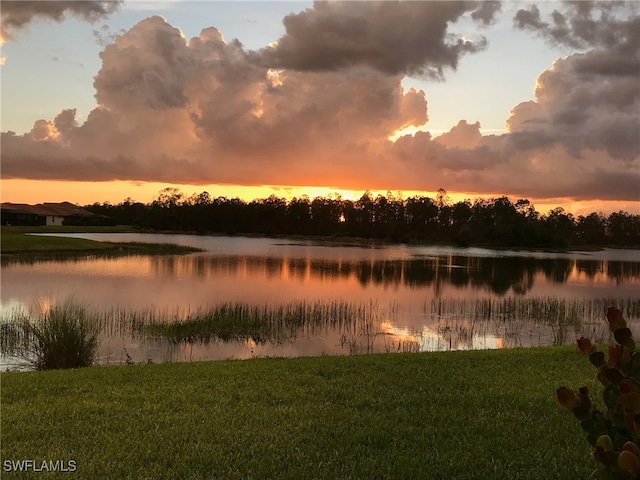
(491, 222)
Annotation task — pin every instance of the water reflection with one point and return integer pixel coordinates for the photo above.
(429, 298)
(344, 328)
(496, 275)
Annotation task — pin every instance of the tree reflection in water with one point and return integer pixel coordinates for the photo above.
(423, 302)
(496, 275)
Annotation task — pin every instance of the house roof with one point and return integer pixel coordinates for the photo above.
(64, 209)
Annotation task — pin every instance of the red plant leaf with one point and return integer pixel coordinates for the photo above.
(630, 401)
(616, 320)
(584, 345)
(567, 398)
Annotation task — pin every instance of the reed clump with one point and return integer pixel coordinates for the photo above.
(61, 336)
(260, 323)
(529, 310)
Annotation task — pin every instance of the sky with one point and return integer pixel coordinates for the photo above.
(103, 101)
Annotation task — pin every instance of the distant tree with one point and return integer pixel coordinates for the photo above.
(592, 229)
(461, 213)
(481, 222)
(461, 217)
(348, 218)
(325, 215)
(525, 208)
(169, 197)
(422, 216)
(233, 215)
(560, 227)
(395, 211)
(130, 212)
(200, 199)
(195, 213)
(495, 221)
(442, 199)
(299, 215)
(268, 215)
(508, 223)
(364, 215)
(623, 229)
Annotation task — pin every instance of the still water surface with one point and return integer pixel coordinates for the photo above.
(421, 298)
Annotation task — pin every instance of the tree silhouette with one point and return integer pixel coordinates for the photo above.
(489, 222)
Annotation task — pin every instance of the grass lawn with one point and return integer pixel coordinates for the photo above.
(20, 242)
(67, 229)
(14, 240)
(448, 415)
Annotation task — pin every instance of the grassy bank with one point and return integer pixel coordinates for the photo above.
(15, 241)
(457, 415)
(68, 229)
(334, 240)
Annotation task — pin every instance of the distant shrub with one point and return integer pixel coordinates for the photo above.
(63, 336)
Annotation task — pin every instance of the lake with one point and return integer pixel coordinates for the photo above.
(412, 298)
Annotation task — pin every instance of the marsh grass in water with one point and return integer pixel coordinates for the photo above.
(467, 317)
(358, 328)
(261, 323)
(63, 335)
(548, 310)
(516, 317)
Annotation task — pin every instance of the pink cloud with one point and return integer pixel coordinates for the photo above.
(206, 111)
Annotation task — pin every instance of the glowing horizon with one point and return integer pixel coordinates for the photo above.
(114, 192)
(312, 99)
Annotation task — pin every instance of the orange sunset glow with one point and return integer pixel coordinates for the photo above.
(87, 193)
(292, 112)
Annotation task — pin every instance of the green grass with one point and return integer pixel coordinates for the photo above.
(456, 415)
(15, 240)
(17, 243)
(67, 229)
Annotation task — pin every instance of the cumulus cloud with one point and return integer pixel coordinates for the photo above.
(493, 166)
(587, 104)
(16, 14)
(208, 111)
(585, 24)
(200, 111)
(587, 100)
(392, 37)
(463, 135)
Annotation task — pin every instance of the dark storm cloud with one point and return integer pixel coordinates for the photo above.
(486, 12)
(587, 100)
(16, 14)
(584, 24)
(392, 37)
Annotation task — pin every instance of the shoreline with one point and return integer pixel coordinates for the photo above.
(19, 245)
(346, 241)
